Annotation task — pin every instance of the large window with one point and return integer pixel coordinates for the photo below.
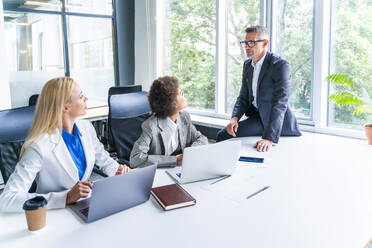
(37, 44)
(294, 42)
(190, 52)
(351, 53)
(241, 14)
(34, 53)
(91, 56)
(317, 38)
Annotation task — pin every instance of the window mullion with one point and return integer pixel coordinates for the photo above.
(263, 13)
(271, 13)
(221, 51)
(160, 38)
(320, 62)
(65, 40)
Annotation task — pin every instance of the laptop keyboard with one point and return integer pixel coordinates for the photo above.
(84, 211)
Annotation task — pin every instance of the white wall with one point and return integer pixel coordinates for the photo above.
(4, 77)
(145, 42)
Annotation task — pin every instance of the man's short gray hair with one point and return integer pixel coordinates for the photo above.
(261, 30)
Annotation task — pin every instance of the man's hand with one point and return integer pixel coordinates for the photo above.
(80, 190)
(232, 127)
(263, 145)
(122, 169)
(179, 159)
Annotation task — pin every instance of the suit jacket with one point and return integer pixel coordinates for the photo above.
(273, 87)
(150, 148)
(48, 160)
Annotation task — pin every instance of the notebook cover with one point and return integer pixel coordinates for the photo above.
(172, 196)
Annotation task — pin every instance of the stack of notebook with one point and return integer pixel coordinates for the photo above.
(172, 196)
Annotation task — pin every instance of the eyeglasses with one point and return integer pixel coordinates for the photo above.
(249, 43)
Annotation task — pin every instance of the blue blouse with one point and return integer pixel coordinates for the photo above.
(74, 146)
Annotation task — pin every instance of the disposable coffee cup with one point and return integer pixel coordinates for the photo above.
(35, 210)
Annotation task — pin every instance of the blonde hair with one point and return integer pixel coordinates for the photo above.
(48, 113)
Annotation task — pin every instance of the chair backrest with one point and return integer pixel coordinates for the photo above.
(115, 91)
(15, 124)
(126, 114)
(9, 155)
(33, 100)
(124, 89)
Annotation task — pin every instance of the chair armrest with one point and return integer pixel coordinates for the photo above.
(99, 171)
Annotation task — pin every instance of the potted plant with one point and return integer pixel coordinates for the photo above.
(345, 96)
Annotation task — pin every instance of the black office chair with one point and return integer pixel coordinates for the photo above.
(107, 137)
(33, 100)
(15, 124)
(126, 114)
(124, 89)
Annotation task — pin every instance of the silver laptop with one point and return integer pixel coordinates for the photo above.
(114, 194)
(207, 162)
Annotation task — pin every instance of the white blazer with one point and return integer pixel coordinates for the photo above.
(49, 162)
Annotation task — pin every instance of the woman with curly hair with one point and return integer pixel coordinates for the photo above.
(168, 131)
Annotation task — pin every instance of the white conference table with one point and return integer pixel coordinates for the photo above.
(320, 195)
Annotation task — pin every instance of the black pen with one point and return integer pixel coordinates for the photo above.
(255, 193)
(251, 159)
(219, 180)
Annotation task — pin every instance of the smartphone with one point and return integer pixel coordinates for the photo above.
(251, 159)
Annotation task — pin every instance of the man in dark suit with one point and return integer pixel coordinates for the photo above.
(263, 95)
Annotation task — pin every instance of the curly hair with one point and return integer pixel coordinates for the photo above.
(162, 95)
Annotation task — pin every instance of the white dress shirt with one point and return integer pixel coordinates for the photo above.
(173, 141)
(256, 72)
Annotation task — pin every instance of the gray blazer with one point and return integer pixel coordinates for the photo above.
(150, 149)
(272, 98)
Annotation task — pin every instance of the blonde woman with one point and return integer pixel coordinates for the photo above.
(59, 152)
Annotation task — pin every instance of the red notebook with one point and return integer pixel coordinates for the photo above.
(172, 196)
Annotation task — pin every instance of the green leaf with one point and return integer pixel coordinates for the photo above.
(362, 109)
(341, 79)
(345, 99)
